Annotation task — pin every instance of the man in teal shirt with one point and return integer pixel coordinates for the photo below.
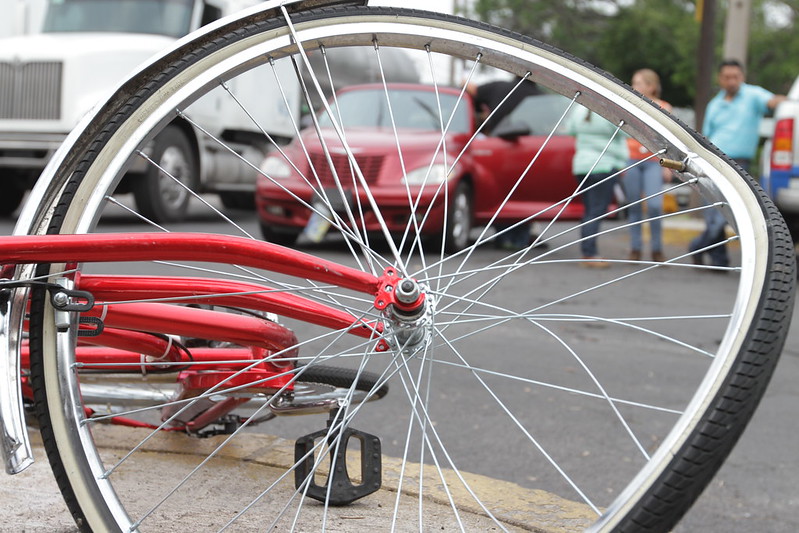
(732, 117)
(732, 120)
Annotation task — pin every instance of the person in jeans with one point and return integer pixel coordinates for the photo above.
(600, 154)
(644, 178)
(731, 122)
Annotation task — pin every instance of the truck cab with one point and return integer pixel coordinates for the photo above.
(85, 48)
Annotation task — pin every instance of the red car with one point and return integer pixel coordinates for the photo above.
(482, 170)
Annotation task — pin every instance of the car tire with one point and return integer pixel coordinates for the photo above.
(278, 234)
(237, 200)
(459, 219)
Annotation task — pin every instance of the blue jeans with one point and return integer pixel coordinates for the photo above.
(596, 202)
(713, 234)
(641, 181)
(516, 238)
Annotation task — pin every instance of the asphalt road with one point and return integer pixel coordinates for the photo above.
(755, 491)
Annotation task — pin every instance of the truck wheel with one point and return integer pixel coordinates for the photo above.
(161, 192)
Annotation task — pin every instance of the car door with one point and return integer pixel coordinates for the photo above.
(520, 146)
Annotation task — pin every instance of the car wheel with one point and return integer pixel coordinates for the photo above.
(459, 219)
(162, 193)
(237, 200)
(278, 234)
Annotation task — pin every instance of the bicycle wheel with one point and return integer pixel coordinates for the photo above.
(526, 392)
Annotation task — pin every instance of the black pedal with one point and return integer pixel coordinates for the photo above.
(343, 491)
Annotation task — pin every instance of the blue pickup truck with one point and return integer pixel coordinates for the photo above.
(780, 172)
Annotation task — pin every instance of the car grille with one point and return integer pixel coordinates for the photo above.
(369, 165)
(30, 90)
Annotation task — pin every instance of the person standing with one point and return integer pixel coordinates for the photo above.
(644, 178)
(731, 123)
(600, 153)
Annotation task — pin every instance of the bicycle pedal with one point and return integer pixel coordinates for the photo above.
(339, 489)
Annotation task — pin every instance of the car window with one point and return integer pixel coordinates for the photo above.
(540, 113)
(413, 109)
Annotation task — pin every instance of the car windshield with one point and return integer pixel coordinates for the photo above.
(540, 113)
(162, 17)
(410, 108)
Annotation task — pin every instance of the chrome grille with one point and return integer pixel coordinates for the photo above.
(30, 90)
(369, 165)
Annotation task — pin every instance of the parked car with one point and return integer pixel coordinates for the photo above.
(477, 185)
(781, 177)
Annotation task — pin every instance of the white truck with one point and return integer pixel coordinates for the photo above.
(50, 79)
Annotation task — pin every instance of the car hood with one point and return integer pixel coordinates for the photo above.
(382, 141)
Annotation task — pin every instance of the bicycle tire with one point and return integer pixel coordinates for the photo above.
(706, 428)
(343, 378)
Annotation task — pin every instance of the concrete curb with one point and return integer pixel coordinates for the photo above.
(32, 502)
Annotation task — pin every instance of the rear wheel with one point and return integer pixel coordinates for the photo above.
(621, 418)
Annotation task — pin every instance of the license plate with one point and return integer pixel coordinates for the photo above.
(334, 198)
(317, 226)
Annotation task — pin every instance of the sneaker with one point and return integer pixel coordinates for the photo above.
(658, 257)
(594, 262)
(635, 255)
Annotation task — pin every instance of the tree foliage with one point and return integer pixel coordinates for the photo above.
(774, 45)
(622, 36)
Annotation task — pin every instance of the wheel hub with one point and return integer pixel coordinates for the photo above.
(408, 311)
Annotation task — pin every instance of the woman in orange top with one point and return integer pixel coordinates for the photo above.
(645, 179)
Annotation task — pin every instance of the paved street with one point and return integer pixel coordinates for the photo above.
(755, 490)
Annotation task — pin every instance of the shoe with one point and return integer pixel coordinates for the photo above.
(594, 262)
(658, 257)
(541, 246)
(635, 255)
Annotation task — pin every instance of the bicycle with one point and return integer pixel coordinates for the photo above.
(187, 340)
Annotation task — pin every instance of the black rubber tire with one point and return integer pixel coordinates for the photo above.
(157, 197)
(238, 200)
(343, 378)
(281, 236)
(459, 219)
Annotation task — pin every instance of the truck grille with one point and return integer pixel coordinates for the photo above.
(30, 90)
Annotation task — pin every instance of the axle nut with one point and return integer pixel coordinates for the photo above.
(408, 291)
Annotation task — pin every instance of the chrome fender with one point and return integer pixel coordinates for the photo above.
(16, 446)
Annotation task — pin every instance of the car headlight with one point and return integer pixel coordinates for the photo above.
(428, 175)
(276, 167)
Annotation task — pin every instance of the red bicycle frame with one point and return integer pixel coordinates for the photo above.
(134, 336)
